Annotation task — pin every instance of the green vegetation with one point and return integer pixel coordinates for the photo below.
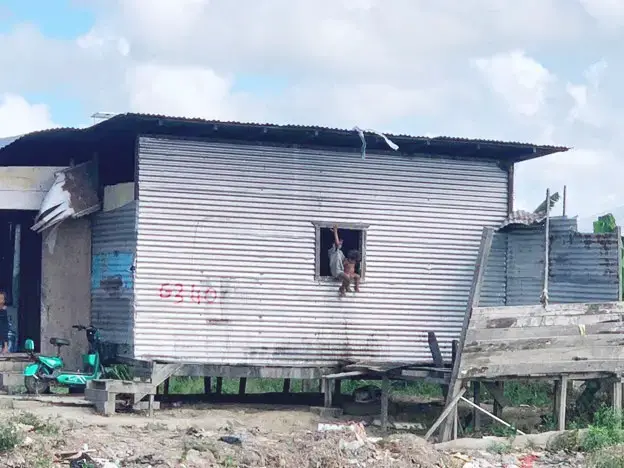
(518, 393)
(605, 431)
(529, 393)
(604, 440)
(10, 436)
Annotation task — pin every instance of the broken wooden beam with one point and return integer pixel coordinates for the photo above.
(473, 301)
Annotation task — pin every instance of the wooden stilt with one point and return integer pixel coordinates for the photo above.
(207, 385)
(337, 391)
(166, 387)
(476, 415)
(219, 388)
(385, 397)
(617, 396)
(286, 387)
(150, 407)
(327, 393)
(562, 402)
(498, 407)
(242, 386)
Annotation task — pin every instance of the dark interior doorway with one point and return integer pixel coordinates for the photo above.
(20, 273)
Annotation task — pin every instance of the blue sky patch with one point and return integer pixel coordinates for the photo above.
(58, 19)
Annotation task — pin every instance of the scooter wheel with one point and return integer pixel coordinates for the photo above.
(35, 386)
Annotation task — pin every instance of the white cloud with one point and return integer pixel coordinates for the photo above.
(18, 116)
(609, 13)
(179, 91)
(518, 79)
(477, 68)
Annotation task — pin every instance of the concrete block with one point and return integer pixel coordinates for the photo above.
(326, 412)
(144, 406)
(12, 366)
(106, 408)
(96, 395)
(11, 380)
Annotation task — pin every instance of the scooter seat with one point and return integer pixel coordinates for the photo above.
(59, 342)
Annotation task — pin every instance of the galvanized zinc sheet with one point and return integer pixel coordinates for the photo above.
(583, 267)
(112, 276)
(494, 288)
(225, 269)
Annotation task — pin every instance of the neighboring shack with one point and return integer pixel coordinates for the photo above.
(583, 267)
(212, 246)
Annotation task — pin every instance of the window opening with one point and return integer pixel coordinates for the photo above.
(353, 238)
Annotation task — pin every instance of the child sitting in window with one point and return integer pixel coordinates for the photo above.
(343, 269)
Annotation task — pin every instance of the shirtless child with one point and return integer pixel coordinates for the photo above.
(343, 269)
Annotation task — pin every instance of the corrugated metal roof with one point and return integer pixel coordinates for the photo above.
(525, 218)
(6, 141)
(158, 124)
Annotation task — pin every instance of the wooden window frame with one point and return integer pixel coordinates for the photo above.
(318, 225)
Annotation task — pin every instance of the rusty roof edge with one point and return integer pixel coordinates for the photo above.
(537, 150)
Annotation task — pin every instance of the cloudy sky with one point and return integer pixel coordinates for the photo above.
(543, 71)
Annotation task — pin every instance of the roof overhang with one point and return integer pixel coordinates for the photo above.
(54, 147)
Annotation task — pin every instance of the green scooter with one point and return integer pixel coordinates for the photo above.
(48, 370)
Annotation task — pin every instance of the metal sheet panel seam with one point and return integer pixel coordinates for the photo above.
(226, 252)
(112, 276)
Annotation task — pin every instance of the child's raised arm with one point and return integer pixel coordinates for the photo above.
(336, 238)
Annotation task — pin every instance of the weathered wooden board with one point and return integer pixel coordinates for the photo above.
(519, 333)
(546, 321)
(525, 341)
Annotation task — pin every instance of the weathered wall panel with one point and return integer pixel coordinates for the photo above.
(226, 252)
(525, 259)
(494, 289)
(24, 188)
(112, 276)
(65, 287)
(582, 267)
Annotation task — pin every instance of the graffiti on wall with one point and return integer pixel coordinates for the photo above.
(112, 271)
(188, 293)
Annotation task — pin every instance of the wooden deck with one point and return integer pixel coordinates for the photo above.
(575, 340)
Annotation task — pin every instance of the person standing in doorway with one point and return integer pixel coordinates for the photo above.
(4, 323)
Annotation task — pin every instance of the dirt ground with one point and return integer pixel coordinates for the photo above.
(228, 436)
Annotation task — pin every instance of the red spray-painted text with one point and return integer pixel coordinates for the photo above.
(191, 293)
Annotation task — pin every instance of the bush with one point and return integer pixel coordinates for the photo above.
(606, 431)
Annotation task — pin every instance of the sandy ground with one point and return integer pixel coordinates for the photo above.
(231, 436)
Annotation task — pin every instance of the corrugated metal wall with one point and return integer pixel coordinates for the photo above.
(583, 267)
(112, 281)
(525, 260)
(494, 289)
(226, 252)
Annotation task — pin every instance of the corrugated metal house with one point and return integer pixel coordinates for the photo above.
(219, 252)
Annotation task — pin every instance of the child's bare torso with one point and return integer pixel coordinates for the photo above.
(349, 267)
